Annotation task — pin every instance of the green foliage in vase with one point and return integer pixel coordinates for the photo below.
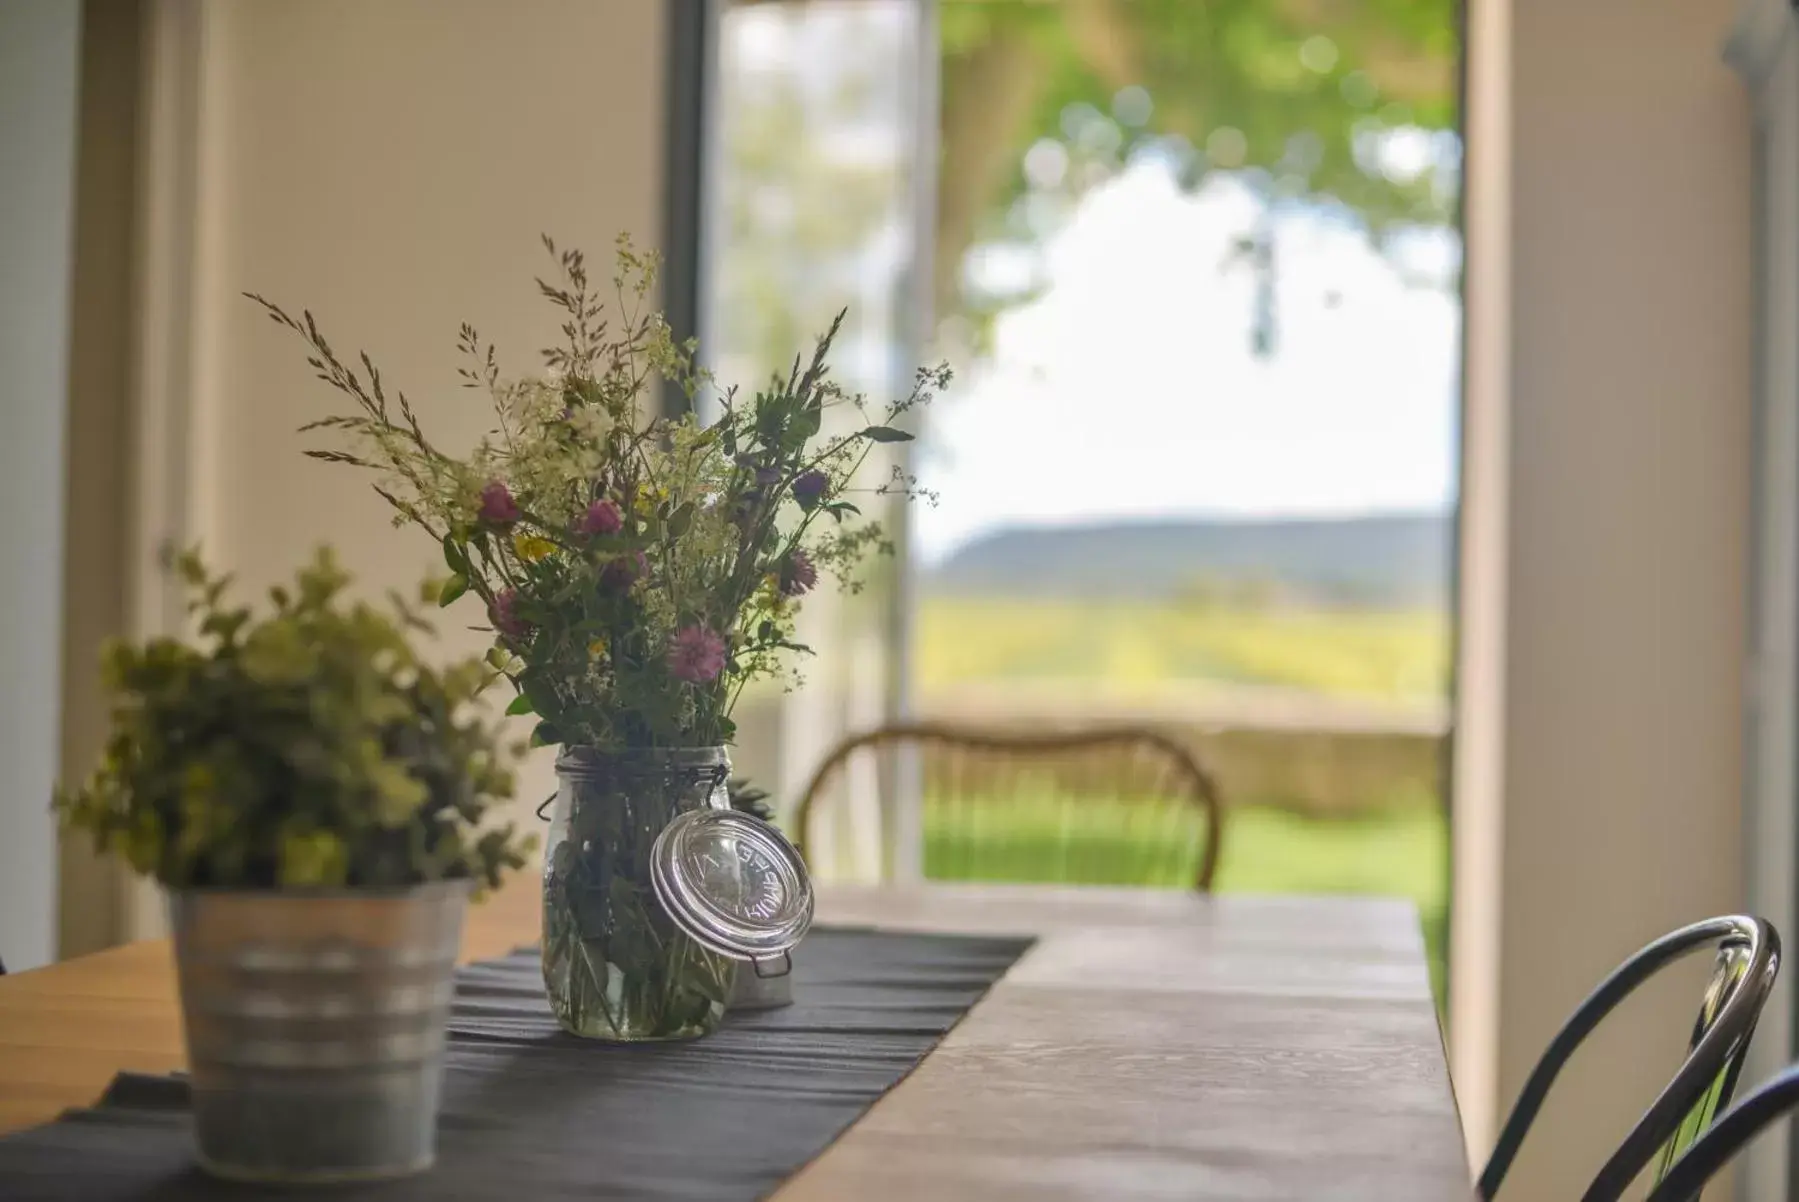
(311, 747)
(616, 966)
(747, 798)
(636, 571)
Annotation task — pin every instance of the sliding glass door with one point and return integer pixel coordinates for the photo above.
(814, 150)
(1196, 267)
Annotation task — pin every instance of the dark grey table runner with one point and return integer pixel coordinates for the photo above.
(533, 1115)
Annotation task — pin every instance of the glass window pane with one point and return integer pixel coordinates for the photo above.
(811, 213)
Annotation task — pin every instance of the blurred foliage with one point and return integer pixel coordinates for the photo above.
(780, 234)
(799, 200)
(1293, 95)
(1136, 645)
(1300, 80)
(1394, 852)
(747, 798)
(308, 748)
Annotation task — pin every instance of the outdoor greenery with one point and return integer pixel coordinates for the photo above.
(1124, 645)
(636, 573)
(1398, 851)
(1298, 99)
(1294, 97)
(1401, 851)
(310, 747)
(1305, 102)
(1065, 650)
(1290, 95)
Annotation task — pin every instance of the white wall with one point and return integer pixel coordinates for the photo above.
(39, 51)
(1609, 452)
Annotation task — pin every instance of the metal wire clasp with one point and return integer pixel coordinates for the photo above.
(786, 966)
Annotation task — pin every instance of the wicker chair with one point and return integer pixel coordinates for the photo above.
(1105, 806)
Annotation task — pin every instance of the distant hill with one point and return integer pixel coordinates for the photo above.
(1381, 560)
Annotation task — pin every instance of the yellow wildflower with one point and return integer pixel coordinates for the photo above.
(530, 548)
(648, 497)
(597, 648)
(772, 598)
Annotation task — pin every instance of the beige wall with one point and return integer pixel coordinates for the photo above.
(96, 554)
(1609, 444)
(388, 164)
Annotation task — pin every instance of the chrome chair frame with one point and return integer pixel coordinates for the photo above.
(1770, 1102)
(1748, 962)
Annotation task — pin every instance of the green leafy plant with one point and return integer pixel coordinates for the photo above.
(308, 748)
(747, 798)
(636, 573)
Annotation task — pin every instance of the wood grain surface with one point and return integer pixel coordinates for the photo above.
(1151, 1046)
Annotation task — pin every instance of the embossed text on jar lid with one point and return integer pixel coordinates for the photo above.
(733, 883)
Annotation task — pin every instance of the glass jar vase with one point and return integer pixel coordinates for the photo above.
(615, 966)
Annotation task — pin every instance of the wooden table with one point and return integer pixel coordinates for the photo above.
(1151, 1046)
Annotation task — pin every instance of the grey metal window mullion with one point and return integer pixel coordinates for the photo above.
(904, 835)
(692, 84)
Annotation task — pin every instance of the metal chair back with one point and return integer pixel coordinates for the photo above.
(1748, 960)
(1113, 805)
(1717, 1147)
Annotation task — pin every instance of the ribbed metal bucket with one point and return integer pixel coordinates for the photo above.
(315, 1028)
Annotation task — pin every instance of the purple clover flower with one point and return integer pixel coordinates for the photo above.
(602, 517)
(504, 615)
(809, 488)
(798, 575)
(624, 571)
(696, 655)
(497, 506)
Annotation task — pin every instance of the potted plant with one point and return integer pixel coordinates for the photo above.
(636, 573)
(313, 796)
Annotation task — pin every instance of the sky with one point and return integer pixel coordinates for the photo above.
(1128, 388)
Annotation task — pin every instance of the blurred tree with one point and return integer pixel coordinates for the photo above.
(814, 132)
(1043, 99)
(1297, 95)
(797, 212)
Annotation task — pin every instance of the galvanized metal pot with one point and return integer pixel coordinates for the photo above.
(315, 1028)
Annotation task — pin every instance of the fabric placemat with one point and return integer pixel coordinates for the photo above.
(533, 1115)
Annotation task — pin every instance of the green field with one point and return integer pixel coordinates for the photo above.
(1400, 853)
(964, 641)
(1397, 852)
(1073, 648)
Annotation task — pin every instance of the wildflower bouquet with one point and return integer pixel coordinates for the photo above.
(637, 572)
